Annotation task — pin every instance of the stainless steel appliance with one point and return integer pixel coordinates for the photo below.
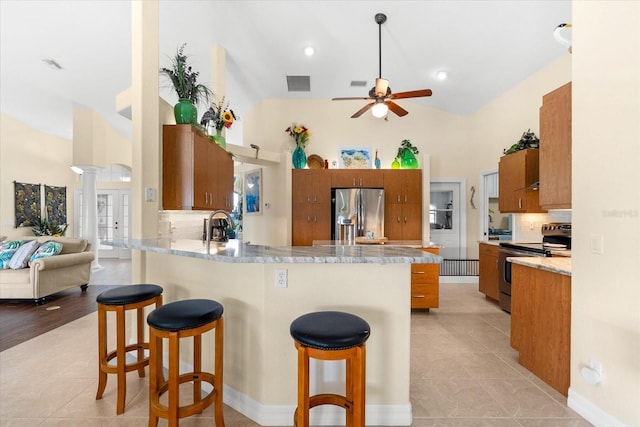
(357, 212)
(554, 236)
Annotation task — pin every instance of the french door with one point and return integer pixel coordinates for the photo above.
(114, 209)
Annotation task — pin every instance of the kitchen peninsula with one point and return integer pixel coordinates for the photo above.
(260, 364)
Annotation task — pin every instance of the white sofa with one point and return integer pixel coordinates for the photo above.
(46, 276)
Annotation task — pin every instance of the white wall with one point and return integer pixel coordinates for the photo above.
(606, 205)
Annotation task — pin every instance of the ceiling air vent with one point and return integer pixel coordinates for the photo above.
(358, 83)
(299, 83)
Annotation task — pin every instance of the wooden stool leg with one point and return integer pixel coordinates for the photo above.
(102, 350)
(349, 390)
(197, 368)
(218, 369)
(302, 412)
(359, 386)
(140, 339)
(155, 374)
(174, 385)
(120, 360)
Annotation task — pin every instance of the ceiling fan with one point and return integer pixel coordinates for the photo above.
(381, 95)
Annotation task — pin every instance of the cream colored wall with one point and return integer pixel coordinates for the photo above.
(458, 146)
(29, 156)
(96, 143)
(606, 203)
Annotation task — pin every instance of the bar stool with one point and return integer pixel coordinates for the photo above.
(176, 320)
(121, 299)
(331, 335)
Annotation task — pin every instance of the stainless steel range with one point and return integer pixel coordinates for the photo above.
(555, 236)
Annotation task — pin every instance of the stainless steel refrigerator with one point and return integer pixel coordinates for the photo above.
(357, 212)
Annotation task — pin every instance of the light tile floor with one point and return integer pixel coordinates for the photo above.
(463, 374)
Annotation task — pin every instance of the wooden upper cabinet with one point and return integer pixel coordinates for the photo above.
(196, 173)
(555, 149)
(352, 178)
(403, 186)
(518, 171)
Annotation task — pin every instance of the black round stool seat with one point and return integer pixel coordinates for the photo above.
(330, 330)
(185, 314)
(129, 294)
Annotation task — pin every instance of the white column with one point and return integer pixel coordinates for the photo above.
(90, 211)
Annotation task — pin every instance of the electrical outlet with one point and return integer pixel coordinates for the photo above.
(597, 246)
(281, 278)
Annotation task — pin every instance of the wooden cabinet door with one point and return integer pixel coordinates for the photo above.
(223, 193)
(203, 158)
(488, 276)
(403, 186)
(517, 172)
(356, 178)
(310, 206)
(555, 149)
(412, 222)
(177, 168)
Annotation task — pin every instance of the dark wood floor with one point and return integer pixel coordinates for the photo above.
(23, 320)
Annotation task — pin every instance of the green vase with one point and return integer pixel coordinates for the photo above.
(395, 164)
(185, 112)
(408, 160)
(219, 139)
(299, 158)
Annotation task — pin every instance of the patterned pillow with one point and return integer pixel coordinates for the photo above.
(7, 249)
(21, 258)
(45, 250)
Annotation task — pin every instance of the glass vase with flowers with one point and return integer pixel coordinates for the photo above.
(300, 134)
(218, 117)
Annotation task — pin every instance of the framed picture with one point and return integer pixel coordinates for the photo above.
(354, 158)
(253, 192)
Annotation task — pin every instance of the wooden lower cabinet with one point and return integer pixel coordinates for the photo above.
(541, 323)
(489, 275)
(425, 283)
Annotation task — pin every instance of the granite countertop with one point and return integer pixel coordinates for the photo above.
(561, 265)
(236, 251)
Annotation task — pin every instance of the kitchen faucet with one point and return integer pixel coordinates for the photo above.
(211, 215)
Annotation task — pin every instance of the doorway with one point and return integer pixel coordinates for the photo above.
(447, 217)
(114, 211)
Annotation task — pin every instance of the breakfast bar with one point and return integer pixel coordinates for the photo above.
(260, 364)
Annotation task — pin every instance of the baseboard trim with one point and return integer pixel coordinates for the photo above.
(282, 415)
(590, 412)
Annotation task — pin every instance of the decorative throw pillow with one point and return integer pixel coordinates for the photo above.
(47, 249)
(22, 255)
(7, 249)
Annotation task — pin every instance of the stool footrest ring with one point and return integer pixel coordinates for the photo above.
(329, 399)
(187, 410)
(128, 367)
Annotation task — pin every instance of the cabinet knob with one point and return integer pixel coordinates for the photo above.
(405, 198)
(398, 219)
(308, 218)
(405, 219)
(398, 198)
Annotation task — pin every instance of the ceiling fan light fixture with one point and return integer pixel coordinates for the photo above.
(379, 110)
(441, 75)
(309, 51)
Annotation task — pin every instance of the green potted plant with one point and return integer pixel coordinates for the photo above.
(406, 158)
(44, 227)
(527, 140)
(185, 83)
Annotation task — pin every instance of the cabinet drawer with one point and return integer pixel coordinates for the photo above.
(425, 273)
(425, 295)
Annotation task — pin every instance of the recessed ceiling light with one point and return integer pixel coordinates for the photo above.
(441, 75)
(309, 51)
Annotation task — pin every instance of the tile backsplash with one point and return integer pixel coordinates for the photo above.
(527, 227)
(181, 224)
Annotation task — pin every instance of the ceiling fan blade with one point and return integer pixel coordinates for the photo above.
(396, 108)
(351, 99)
(411, 94)
(362, 110)
(381, 87)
